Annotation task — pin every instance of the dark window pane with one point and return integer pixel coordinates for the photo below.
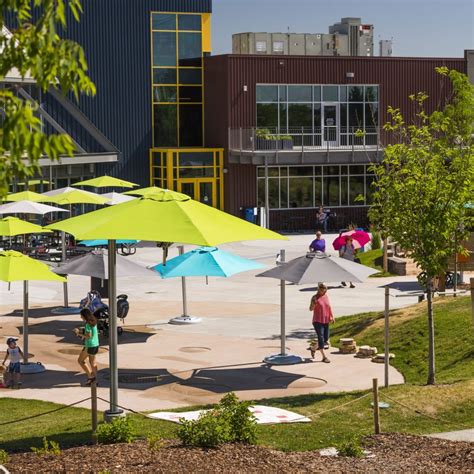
(165, 119)
(371, 115)
(198, 172)
(190, 76)
(190, 125)
(343, 117)
(299, 93)
(356, 115)
(260, 192)
(318, 191)
(356, 189)
(164, 94)
(190, 94)
(331, 170)
(330, 93)
(190, 49)
(369, 188)
(164, 76)
(301, 192)
(164, 49)
(273, 171)
(283, 118)
(189, 22)
(343, 93)
(301, 171)
(273, 193)
(267, 115)
(260, 172)
(283, 170)
(284, 192)
(267, 93)
(356, 94)
(344, 191)
(196, 158)
(299, 115)
(331, 191)
(317, 117)
(344, 170)
(282, 93)
(163, 21)
(317, 93)
(356, 169)
(371, 93)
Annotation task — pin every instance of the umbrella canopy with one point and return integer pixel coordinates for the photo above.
(28, 207)
(116, 198)
(15, 266)
(106, 182)
(206, 261)
(146, 191)
(34, 182)
(101, 243)
(77, 196)
(55, 192)
(95, 264)
(10, 226)
(166, 216)
(316, 267)
(25, 196)
(359, 239)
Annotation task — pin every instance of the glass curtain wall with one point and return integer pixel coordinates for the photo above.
(298, 110)
(313, 186)
(177, 79)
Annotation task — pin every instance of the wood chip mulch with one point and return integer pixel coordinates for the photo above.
(389, 452)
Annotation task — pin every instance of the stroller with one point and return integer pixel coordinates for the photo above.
(100, 310)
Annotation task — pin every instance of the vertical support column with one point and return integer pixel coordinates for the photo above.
(63, 259)
(375, 389)
(183, 288)
(386, 337)
(267, 198)
(283, 308)
(25, 320)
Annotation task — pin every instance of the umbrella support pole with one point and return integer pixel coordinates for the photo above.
(28, 367)
(185, 318)
(283, 358)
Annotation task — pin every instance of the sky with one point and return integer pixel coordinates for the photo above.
(443, 28)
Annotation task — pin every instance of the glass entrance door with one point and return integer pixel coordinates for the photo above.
(200, 189)
(330, 124)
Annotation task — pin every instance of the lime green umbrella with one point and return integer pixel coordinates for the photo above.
(77, 197)
(25, 196)
(146, 191)
(106, 182)
(164, 216)
(34, 182)
(10, 226)
(14, 266)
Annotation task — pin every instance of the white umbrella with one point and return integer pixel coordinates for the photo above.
(117, 198)
(67, 189)
(28, 207)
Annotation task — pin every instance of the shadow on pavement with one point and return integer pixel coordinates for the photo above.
(39, 312)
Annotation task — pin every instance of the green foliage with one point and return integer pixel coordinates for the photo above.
(49, 448)
(230, 421)
(119, 430)
(3, 456)
(155, 442)
(265, 134)
(376, 241)
(351, 448)
(36, 50)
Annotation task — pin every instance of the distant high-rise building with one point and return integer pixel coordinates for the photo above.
(349, 37)
(385, 47)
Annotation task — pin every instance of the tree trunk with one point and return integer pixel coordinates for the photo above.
(385, 255)
(431, 336)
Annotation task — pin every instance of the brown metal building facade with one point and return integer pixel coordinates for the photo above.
(230, 105)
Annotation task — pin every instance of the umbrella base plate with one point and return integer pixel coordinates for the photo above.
(32, 368)
(283, 359)
(66, 310)
(185, 320)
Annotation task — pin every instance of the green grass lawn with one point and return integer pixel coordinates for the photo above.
(454, 338)
(368, 258)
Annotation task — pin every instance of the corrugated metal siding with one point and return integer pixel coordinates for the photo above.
(397, 77)
(115, 35)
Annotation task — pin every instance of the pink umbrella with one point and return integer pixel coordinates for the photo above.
(359, 239)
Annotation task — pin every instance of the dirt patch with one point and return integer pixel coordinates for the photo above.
(391, 452)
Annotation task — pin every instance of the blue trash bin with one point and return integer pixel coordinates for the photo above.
(249, 215)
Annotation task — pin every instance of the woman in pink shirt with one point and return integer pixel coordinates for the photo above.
(322, 316)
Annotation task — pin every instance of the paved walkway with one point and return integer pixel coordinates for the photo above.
(463, 435)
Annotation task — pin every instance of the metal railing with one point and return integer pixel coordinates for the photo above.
(304, 139)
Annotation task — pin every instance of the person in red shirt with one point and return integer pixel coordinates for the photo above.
(322, 316)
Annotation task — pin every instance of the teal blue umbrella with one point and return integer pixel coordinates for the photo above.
(203, 261)
(103, 243)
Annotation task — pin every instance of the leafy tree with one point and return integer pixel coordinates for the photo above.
(424, 182)
(35, 49)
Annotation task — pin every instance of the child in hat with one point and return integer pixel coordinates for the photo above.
(15, 354)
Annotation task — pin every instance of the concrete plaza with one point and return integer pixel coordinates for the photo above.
(168, 366)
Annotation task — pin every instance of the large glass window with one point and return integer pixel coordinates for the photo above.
(190, 76)
(267, 93)
(190, 49)
(165, 125)
(164, 94)
(299, 115)
(190, 94)
(299, 94)
(164, 21)
(267, 115)
(190, 125)
(164, 76)
(189, 22)
(164, 49)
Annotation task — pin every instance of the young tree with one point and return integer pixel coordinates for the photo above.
(34, 48)
(424, 182)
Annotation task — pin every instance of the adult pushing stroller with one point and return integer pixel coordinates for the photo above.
(100, 310)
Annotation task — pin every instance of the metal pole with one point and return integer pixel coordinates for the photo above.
(375, 389)
(94, 411)
(63, 259)
(113, 409)
(455, 281)
(25, 321)
(283, 308)
(183, 287)
(267, 198)
(386, 338)
(472, 300)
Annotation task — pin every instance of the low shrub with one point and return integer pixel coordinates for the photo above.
(48, 448)
(351, 448)
(230, 421)
(155, 442)
(376, 241)
(120, 430)
(3, 456)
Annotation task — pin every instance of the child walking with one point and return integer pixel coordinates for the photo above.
(15, 354)
(90, 337)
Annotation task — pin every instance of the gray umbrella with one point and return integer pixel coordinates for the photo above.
(311, 268)
(95, 264)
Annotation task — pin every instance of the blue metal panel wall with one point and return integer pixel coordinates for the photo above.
(115, 35)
